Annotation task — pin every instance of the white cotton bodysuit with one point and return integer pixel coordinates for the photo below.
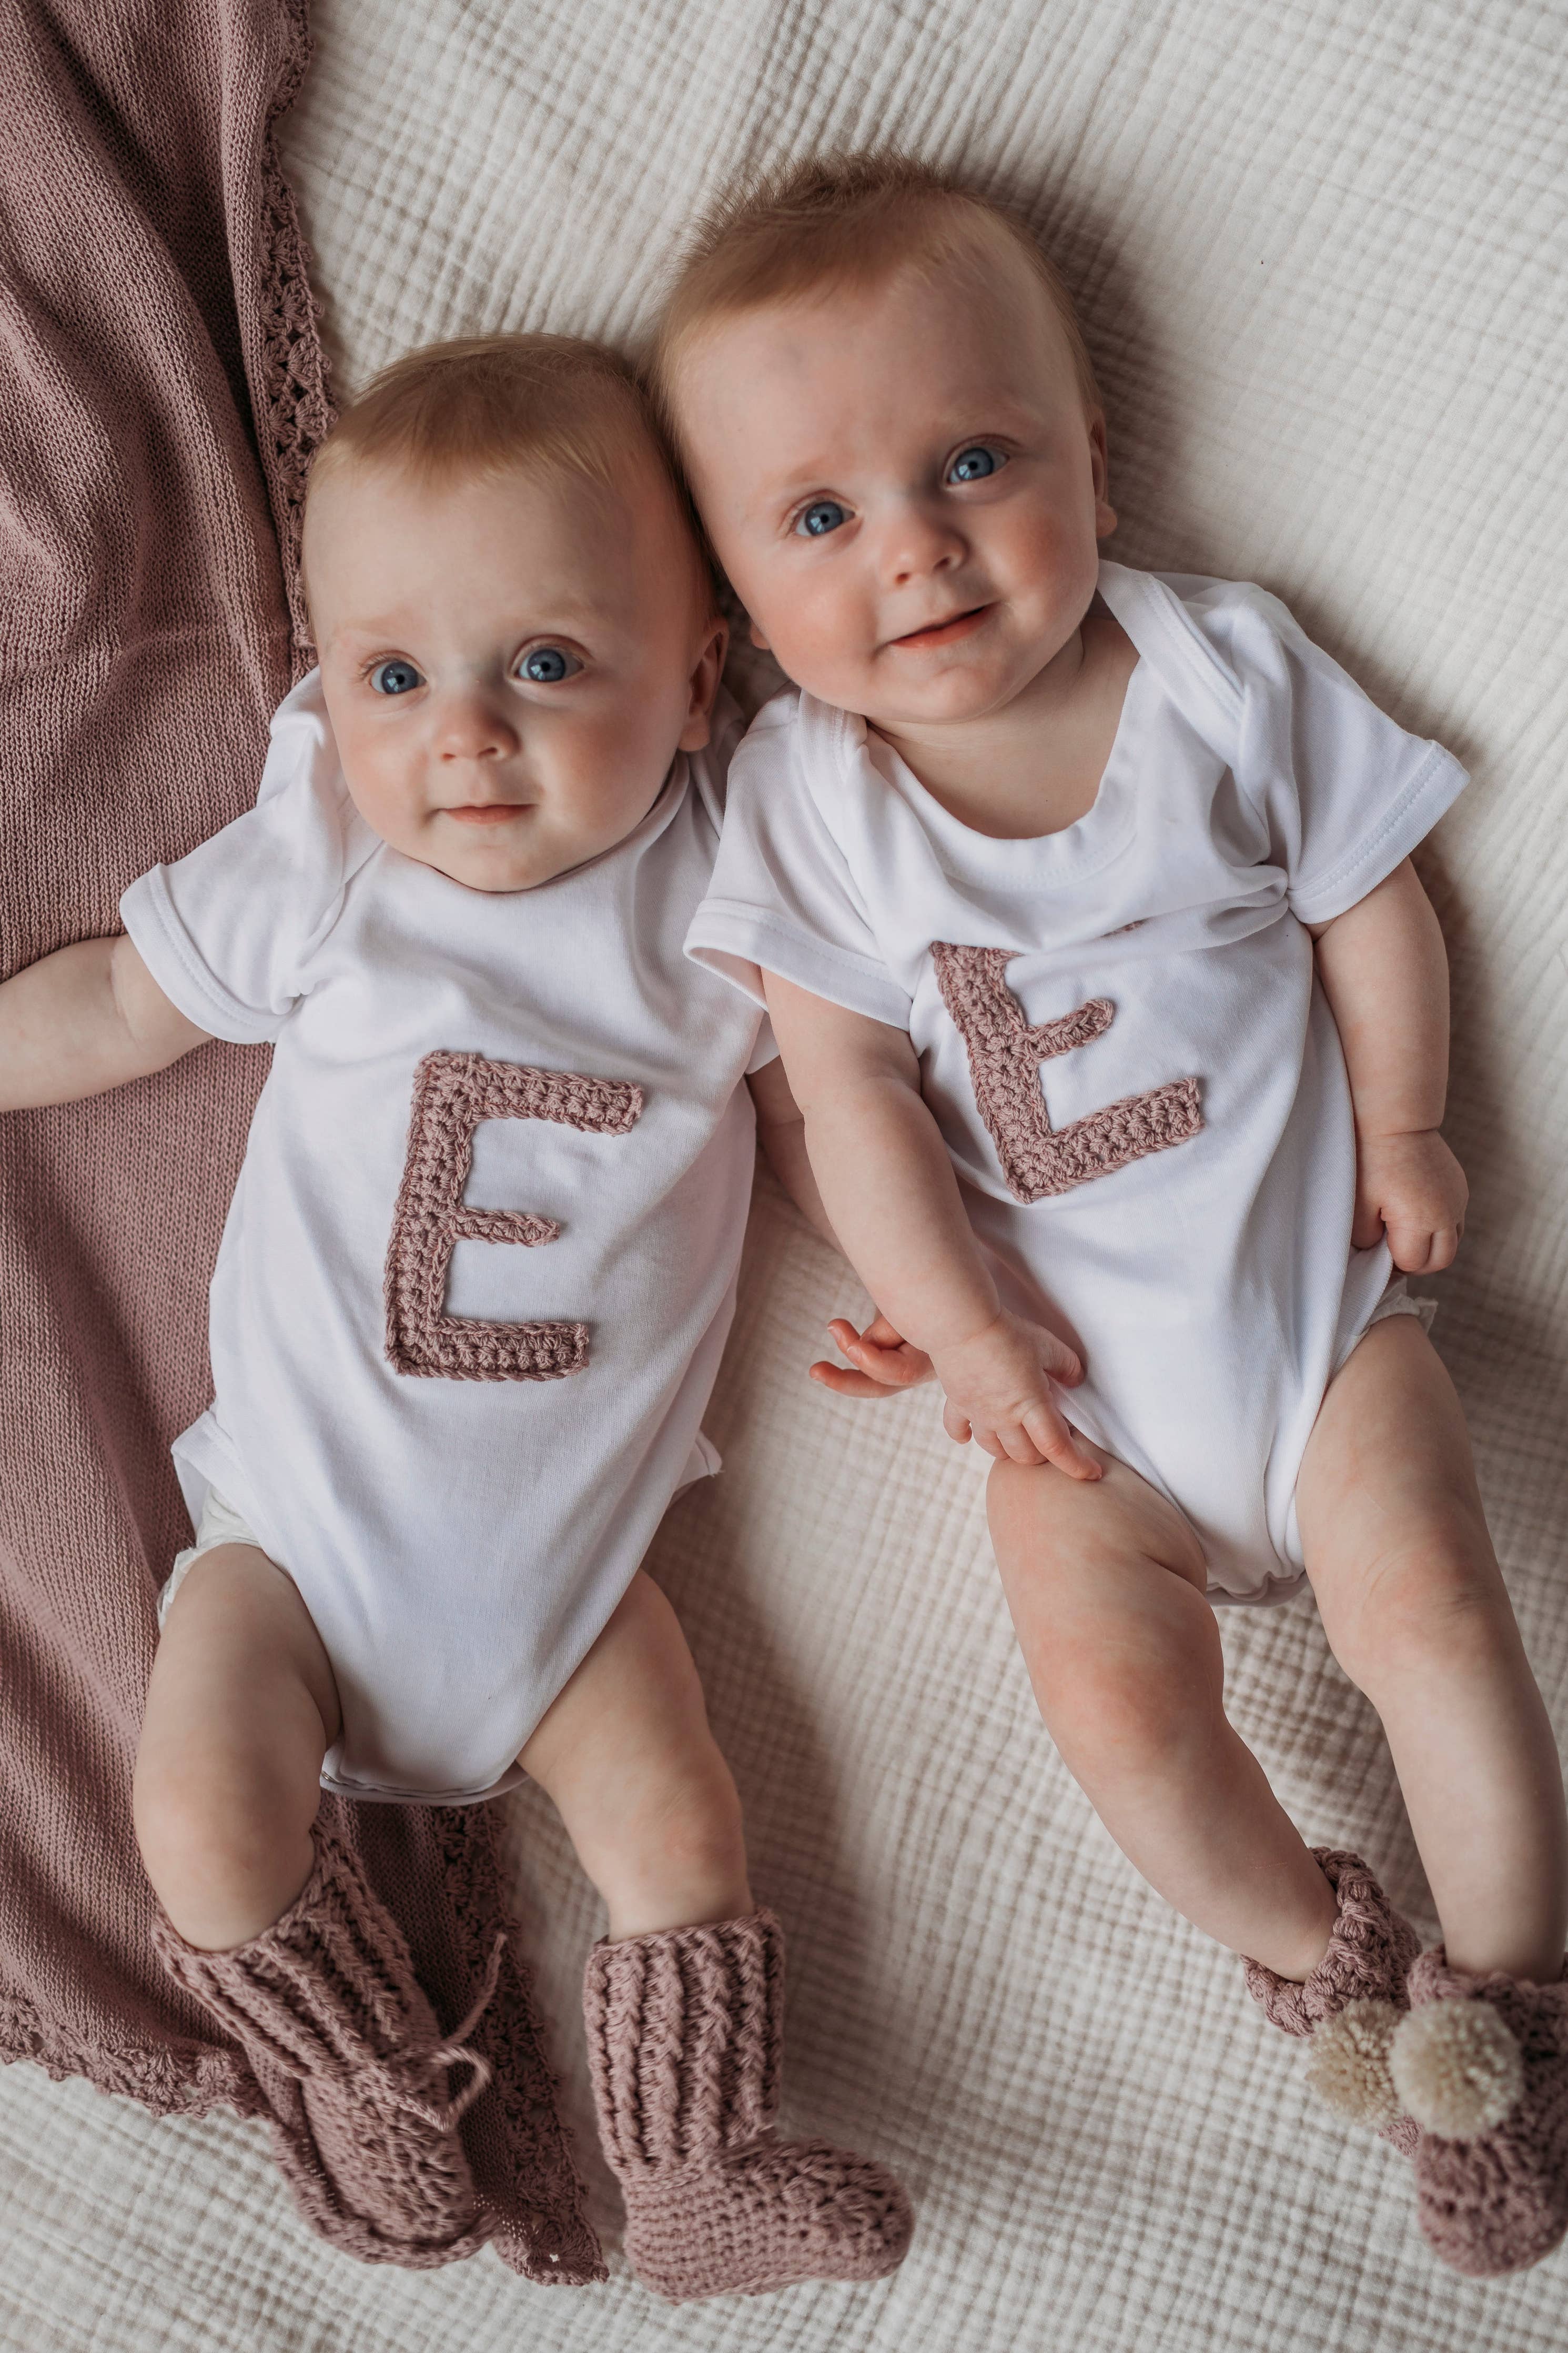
(454, 1428)
(1121, 1031)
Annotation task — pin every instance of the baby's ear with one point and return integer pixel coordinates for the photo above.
(706, 672)
(1099, 463)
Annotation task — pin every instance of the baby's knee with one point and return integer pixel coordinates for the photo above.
(1132, 1697)
(221, 1847)
(1429, 1605)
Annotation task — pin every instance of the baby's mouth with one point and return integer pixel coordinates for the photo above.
(486, 812)
(948, 632)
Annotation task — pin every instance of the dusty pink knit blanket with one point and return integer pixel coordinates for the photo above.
(162, 387)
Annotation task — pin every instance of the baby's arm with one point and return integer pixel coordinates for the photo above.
(1385, 975)
(887, 1186)
(882, 1361)
(83, 1019)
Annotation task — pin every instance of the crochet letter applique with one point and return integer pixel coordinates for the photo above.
(452, 1094)
(1004, 1056)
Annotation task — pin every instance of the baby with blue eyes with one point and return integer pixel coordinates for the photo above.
(466, 1316)
(1080, 901)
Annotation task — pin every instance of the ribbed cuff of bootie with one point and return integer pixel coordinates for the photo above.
(1482, 2063)
(685, 2041)
(1353, 2001)
(327, 1991)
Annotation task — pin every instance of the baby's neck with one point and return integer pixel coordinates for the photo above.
(1034, 767)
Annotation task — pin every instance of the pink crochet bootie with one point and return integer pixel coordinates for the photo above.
(1353, 2001)
(325, 2005)
(1482, 2065)
(684, 2046)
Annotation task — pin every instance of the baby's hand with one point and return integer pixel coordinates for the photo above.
(998, 1388)
(884, 1361)
(1411, 1187)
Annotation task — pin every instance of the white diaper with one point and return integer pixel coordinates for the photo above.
(1397, 1301)
(219, 1523)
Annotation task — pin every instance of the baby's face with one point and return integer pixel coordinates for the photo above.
(903, 485)
(510, 663)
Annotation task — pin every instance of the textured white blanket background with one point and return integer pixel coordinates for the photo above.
(1319, 252)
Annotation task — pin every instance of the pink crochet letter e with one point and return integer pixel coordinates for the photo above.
(452, 1094)
(1004, 1056)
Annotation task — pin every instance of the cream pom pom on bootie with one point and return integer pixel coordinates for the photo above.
(1352, 2002)
(1482, 2063)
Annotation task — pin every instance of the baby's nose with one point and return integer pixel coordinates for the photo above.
(471, 727)
(918, 543)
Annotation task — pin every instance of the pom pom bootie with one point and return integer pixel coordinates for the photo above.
(1481, 2063)
(684, 2043)
(1352, 2002)
(326, 2007)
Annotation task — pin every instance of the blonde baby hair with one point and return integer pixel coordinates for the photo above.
(838, 219)
(490, 404)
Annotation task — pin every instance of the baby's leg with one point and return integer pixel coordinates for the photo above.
(683, 2003)
(637, 1778)
(241, 1709)
(1414, 1605)
(1106, 1585)
(278, 1933)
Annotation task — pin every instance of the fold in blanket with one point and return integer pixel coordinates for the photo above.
(162, 385)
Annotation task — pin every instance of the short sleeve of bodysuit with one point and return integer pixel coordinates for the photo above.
(1345, 792)
(228, 932)
(783, 898)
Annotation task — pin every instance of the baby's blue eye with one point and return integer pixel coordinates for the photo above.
(396, 678)
(973, 464)
(820, 517)
(548, 665)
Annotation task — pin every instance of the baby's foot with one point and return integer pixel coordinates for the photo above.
(1482, 2063)
(1352, 2002)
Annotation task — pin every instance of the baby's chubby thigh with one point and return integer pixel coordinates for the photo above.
(626, 1753)
(242, 1706)
(1106, 1583)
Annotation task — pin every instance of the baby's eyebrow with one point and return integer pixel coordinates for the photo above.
(788, 489)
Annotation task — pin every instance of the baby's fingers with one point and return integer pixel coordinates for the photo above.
(1059, 1444)
(1060, 1361)
(957, 1424)
(843, 1382)
(1422, 1245)
(882, 1352)
(1416, 1250)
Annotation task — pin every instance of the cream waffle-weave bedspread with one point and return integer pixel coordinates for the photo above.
(1319, 252)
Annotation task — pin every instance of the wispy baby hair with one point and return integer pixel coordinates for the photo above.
(489, 402)
(845, 220)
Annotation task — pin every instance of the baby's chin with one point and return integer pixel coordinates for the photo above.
(958, 697)
(495, 868)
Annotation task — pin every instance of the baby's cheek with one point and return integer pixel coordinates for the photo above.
(824, 639)
(381, 788)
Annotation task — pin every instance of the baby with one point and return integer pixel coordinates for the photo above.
(1080, 900)
(468, 1312)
